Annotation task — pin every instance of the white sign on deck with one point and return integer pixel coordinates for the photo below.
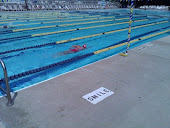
(98, 95)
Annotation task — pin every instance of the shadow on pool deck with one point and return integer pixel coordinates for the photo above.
(141, 83)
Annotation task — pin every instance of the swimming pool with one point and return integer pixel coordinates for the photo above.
(31, 47)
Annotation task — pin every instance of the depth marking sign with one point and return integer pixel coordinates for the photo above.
(98, 95)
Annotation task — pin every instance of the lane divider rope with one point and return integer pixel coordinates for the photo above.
(16, 30)
(60, 21)
(23, 74)
(40, 34)
(49, 33)
(39, 19)
(30, 36)
(84, 37)
(47, 44)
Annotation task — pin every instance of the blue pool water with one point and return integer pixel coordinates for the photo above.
(19, 60)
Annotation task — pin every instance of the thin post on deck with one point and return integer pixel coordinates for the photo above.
(129, 31)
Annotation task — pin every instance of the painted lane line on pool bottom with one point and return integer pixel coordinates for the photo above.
(71, 60)
(30, 36)
(53, 43)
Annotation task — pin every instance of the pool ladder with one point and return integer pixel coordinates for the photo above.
(7, 91)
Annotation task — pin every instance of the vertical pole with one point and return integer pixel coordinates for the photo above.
(129, 31)
(26, 5)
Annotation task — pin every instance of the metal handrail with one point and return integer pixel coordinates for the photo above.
(7, 91)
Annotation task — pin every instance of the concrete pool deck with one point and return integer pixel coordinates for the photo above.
(141, 82)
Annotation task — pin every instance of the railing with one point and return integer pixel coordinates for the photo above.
(7, 91)
(118, 4)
